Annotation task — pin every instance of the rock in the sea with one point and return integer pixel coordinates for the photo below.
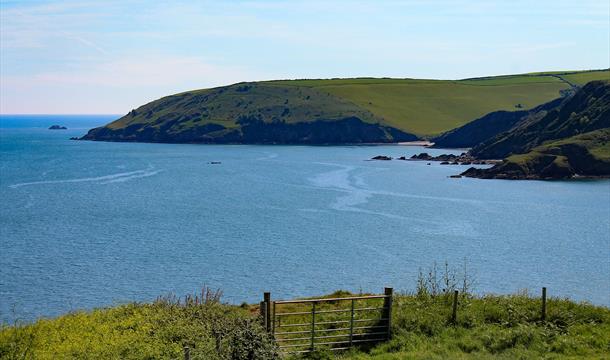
(57, 127)
(455, 176)
(402, 158)
(445, 163)
(422, 156)
(381, 157)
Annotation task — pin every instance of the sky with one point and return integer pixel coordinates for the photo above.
(108, 57)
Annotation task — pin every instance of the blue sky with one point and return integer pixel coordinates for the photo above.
(111, 56)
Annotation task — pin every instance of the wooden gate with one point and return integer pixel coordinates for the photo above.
(301, 326)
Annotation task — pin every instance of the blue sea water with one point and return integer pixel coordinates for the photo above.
(89, 224)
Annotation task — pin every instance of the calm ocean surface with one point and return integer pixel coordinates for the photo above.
(88, 224)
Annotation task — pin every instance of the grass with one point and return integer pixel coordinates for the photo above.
(428, 108)
(581, 78)
(419, 106)
(226, 105)
(487, 327)
(159, 330)
(494, 327)
(596, 143)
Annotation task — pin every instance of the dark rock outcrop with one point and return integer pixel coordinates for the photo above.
(57, 127)
(462, 159)
(255, 131)
(381, 157)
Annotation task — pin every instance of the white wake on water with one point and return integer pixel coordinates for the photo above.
(105, 179)
(355, 196)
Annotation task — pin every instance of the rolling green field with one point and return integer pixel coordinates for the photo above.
(581, 78)
(432, 108)
(417, 106)
(428, 107)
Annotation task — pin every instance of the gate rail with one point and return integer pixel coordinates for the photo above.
(301, 326)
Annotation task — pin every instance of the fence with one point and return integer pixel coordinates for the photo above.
(356, 330)
(301, 326)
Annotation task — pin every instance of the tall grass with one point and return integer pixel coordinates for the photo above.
(487, 327)
(159, 330)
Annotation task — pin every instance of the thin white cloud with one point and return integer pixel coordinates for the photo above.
(113, 86)
(147, 70)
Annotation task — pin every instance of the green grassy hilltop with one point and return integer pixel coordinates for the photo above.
(426, 107)
(283, 111)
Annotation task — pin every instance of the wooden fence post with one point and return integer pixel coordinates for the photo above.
(273, 320)
(351, 326)
(267, 300)
(543, 317)
(261, 308)
(187, 353)
(454, 310)
(313, 325)
(387, 304)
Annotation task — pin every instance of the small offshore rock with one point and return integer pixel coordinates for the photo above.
(57, 127)
(381, 157)
(422, 156)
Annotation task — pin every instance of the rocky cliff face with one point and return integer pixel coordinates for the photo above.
(252, 130)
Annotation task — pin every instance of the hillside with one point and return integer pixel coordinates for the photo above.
(488, 327)
(587, 110)
(568, 140)
(386, 110)
(488, 126)
(582, 155)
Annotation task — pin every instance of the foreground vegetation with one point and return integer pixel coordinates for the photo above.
(494, 327)
(502, 327)
(159, 330)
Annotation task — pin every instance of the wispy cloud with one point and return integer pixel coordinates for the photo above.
(147, 70)
(132, 50)
(113, 86)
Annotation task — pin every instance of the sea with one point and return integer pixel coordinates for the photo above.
(88, 224)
